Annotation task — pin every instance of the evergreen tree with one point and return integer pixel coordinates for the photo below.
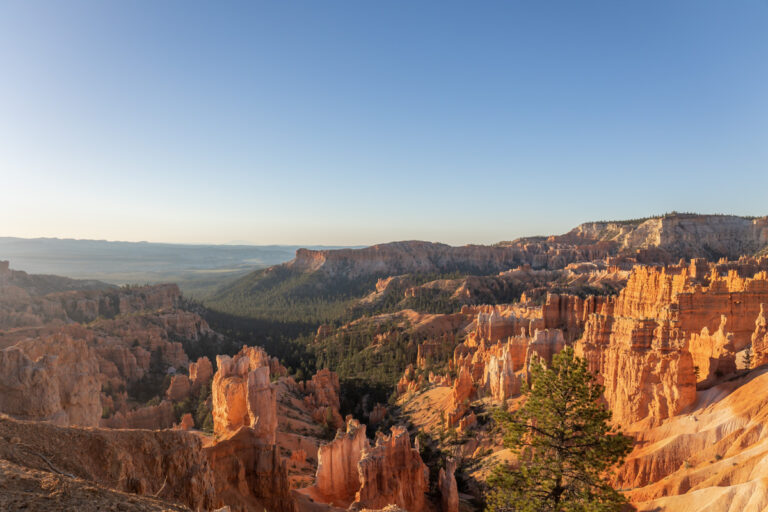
(563, 442)
(748, 357)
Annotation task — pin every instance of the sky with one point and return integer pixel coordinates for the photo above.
(359, 122)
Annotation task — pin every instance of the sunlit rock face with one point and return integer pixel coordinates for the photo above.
(670, 328)
(497, 368)
(200, 372)
(678, 236)
(760, 337)
(243, 395)
(711, 458)
(86, 343)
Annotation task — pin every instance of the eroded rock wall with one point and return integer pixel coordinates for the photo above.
(669, 328)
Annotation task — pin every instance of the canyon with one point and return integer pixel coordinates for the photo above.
(135, 395)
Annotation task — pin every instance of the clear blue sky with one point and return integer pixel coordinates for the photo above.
(358, 122)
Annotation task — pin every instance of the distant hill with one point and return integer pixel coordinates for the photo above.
(198, 269)
(13, 281)
(321, 285)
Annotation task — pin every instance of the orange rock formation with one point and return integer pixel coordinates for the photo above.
(449, 492)
(168, 464)
(243, 395)
(179, 388)
(337, 473)
(249, 474)
(323, 397)
(392, 472)
(54, 379)
(760, 338)
(668, 325)
(200, 372)
(712, 458)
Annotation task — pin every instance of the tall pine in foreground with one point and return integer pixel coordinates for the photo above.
(563, 442)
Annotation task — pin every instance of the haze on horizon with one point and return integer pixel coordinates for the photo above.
(353, 123)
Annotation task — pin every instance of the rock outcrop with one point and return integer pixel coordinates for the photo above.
(187, 422)
(322, 396)
(392, 472)
(760, 338)
(714, 354)
(497, 368)
(243, 395)
(131, 333)
(149, 417)
(338, 478)
(712, 458)
(54, 379)
(679, 235)
(668, 326)
(378, 413)
(169, 464)
(449, 492)
(179, 388)
(200, 372)
(249, 474)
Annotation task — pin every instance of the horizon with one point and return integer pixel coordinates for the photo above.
(347, 125)
(243, 243)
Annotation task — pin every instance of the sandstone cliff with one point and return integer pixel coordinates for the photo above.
(449, 493)
(130, 333)
(322, 396)
(710, 459)
(669, 328)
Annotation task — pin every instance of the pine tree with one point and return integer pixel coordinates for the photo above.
(748, 357)
(563, 442)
